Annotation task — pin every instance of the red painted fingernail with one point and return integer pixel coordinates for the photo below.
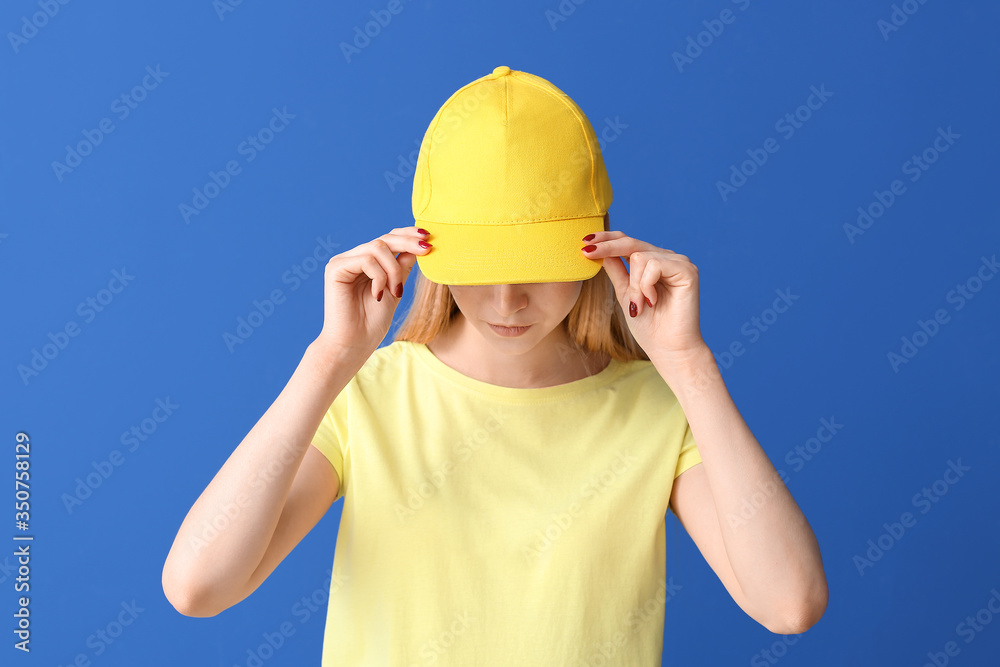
(422, 231)
(424, 244)
(379, 297)
(632, 310)
(399, 291)
(648, 303)
(589, 237)
(590, 248)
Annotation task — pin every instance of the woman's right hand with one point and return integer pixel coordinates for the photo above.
(354, 317)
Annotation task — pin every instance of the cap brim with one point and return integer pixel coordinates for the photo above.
(507, 254)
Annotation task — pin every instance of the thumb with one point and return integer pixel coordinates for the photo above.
(406, 260)
(615, 268)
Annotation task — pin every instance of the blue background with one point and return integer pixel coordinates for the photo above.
(324, 176)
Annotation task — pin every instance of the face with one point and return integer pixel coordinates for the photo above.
(541, 307)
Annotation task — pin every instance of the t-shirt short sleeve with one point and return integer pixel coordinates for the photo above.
(331, 437)
(689, 455)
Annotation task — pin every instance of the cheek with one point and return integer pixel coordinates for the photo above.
(466, 298)
(563, 299)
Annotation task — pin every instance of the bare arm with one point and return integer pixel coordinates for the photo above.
(769, 560)
(231, 539)
(264, 499)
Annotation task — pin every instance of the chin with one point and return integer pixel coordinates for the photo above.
(525, 341)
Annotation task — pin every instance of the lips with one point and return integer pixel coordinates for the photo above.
(509, 331)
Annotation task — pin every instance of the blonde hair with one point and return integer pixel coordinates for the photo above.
(596, 323)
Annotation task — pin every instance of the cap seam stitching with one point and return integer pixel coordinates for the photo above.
(506, 100)
(508, 224)
(430, 141)
(573, 110)
(571, 107)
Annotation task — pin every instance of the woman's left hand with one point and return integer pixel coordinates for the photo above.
(669, 323)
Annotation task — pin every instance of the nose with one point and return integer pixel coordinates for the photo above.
(508, 299)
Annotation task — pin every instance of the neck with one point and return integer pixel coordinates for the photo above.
(553, 360)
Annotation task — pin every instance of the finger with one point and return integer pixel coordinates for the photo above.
(606, 236)
(618, 274)
(406, 261)
(600, 244)
(637, 264)
(612, 265)
(676, 256)
(411, 230)
(416, 243)
(408, 243)
(651, 275)
(351, 266)
(614, 242)
(409, 240)
(394, 276)
(398, 240)
(369, 266)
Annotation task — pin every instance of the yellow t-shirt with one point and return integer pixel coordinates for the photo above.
(493, 526)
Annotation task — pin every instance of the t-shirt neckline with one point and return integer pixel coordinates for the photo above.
(602, 377)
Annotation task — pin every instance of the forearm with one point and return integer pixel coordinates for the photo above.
(228, 529)
(772, 550)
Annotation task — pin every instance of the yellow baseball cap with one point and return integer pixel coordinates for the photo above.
(508, 181)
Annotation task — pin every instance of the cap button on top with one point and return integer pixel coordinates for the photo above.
(501, 71)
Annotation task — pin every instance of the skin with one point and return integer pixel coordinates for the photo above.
(768, 559)
(767, 556)
(536, 358)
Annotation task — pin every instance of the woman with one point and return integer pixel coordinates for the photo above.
(507, 462)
